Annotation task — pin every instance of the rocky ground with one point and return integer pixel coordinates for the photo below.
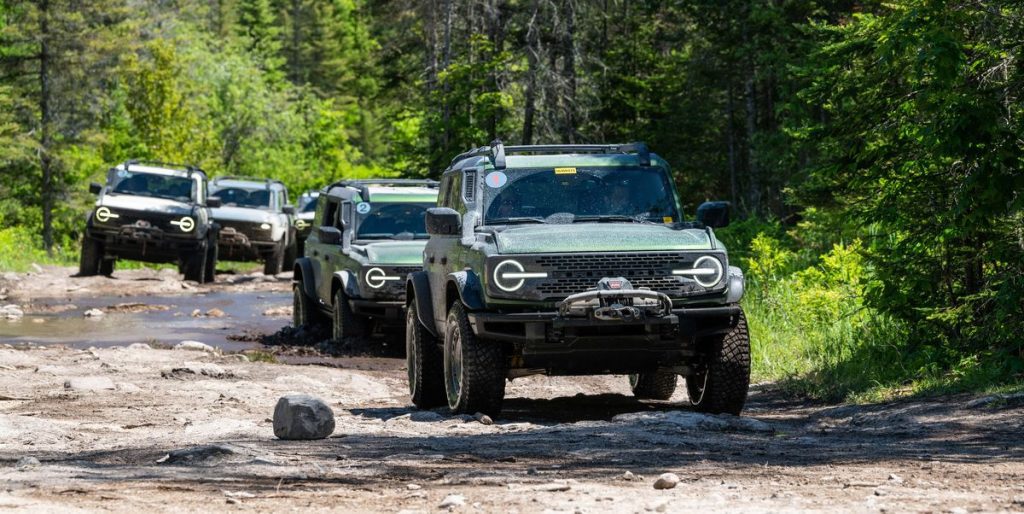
(133, 428)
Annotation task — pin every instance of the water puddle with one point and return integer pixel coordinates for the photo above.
(148, 319)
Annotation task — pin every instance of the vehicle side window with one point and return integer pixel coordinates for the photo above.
(455, 194)
(330, 214)
(446, 192)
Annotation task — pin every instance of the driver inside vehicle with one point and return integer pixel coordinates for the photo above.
(618, 201)
(508, 205)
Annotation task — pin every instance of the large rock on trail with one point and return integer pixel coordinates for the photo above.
(300, 416)
(89, 384)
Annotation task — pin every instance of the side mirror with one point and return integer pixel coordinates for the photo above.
(213, 201)
(443, 221)
(288, 209)
(329, 235)
(713, 214)
(95, 188)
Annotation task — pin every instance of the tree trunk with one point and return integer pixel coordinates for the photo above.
(754, 184)
(446, 60)
(532, 55)
(569, 64)
(46, 127)
(731, 135)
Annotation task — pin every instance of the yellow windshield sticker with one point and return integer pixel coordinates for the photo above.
(565, 171)
(666, 219)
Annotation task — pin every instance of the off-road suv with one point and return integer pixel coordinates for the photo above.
(572, 260)
(304, 218)
(256, 222)
(153, 212)
(368, 236)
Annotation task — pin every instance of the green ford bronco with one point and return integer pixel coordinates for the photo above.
(367, 236)
(572, 260)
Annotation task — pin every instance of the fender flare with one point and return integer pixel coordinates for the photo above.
(349, 283)
(417, 287)
(303, 266)
(468, 285)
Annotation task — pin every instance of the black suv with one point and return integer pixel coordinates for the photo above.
(368, 236)
(153, 212)
(572, 260)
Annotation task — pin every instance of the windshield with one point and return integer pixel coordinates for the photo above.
(579, 194)
(239, 197)
(309, 204)
(154, 185)
(392, 220)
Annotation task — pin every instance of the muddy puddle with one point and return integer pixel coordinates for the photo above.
(208, 317)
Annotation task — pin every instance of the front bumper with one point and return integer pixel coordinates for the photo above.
(235, 245)
(149, 244)
(387, 311)
(563, 344)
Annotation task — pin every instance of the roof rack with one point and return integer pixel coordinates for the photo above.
(267, 181)
(190, 168)
(362, 184)
(497, 151)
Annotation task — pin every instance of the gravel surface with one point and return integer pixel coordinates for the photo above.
(144, 428)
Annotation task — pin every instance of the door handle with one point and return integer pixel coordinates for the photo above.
(327, 257)
(315, 253)
(444, 260)
(430, 259)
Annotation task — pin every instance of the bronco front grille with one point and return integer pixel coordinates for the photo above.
(574, 273)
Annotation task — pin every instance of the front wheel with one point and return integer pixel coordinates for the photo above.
(346, 326)
(304, 311)
(275, 261)
(90, 259)
(720, 382)
(195, 265)
(424, 361)
(212, 254)
(657, 385)
(474, 369)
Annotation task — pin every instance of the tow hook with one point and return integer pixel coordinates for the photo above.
(617, 312)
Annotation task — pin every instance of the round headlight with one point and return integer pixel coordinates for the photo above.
(706, 271)
(708, 263)
(186, 224)
(301, 224)
(103, 215)
(510, 275)
(376, 278)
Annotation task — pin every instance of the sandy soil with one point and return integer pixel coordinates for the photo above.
(105, 426)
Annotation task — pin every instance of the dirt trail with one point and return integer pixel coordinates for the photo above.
(102, 422)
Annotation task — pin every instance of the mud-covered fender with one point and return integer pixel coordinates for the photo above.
(417, 288)
(305, 268)
(349, 283)
(468, 285)
(736, 284)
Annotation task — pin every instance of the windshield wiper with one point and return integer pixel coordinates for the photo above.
(515, 219)
(611, 217)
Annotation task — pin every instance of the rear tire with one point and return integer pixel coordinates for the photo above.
(346, 326)
(275, 261)
(657, 385)
(89, 260)
(720, 385)
(474, 370)
(425, 363)
(304, 311)
(195, 265)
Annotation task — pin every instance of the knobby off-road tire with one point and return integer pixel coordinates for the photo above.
(275, 261)
(107, 267)
(304, 312)
(656, 385)
(89, 260)
(195, 265)
(212, 255)
(425, 362)
(290, 252)
(720, 386)
(474, 370)
(347, 327)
